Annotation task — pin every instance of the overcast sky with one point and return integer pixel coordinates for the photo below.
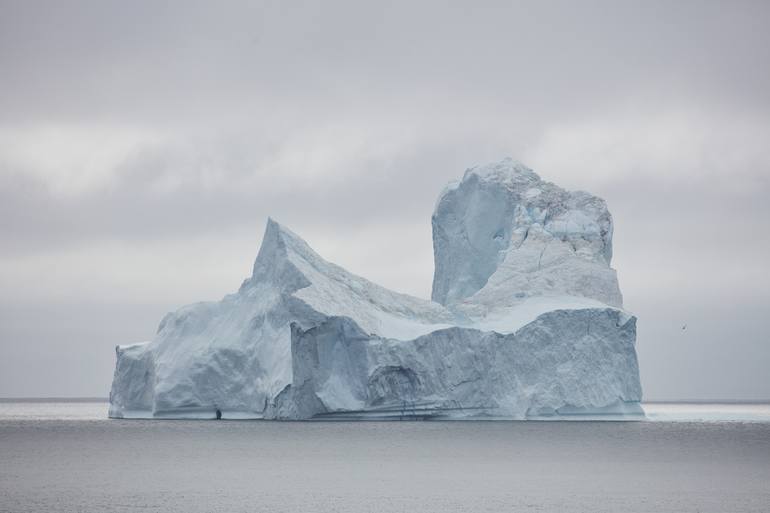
(143, 145)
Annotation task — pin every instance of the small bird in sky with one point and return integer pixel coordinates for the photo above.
(684, 327)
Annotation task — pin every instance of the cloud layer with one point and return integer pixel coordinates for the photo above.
(142, 147)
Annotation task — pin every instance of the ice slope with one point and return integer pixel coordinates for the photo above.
(235, 354)
(303, 338)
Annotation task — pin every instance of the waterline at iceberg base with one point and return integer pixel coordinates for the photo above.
(526, 321)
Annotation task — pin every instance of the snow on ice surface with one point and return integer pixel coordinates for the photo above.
(526, 322)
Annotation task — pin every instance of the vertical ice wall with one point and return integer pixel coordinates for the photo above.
(502, 234)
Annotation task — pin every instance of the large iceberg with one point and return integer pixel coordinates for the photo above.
(526, 321)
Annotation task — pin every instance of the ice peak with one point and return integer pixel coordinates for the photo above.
(280, 250)
(278, 233)
(507, 171)
(273, 247)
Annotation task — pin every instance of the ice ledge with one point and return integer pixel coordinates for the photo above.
(620, 411)
(511, 319)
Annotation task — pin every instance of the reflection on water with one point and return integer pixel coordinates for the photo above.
(708, 412)
(52, 410)
(659, 411)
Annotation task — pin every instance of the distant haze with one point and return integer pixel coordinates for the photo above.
(144, 144)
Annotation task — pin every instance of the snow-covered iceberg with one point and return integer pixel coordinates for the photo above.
(526, 322)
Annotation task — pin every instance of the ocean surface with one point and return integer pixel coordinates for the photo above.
(67, 456)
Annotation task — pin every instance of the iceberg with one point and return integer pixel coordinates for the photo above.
(525, 321)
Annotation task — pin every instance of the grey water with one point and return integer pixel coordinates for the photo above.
(57, 456)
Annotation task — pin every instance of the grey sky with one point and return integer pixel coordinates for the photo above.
(142, 147)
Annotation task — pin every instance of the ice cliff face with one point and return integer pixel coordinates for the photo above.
(525, 322)
(502, 234)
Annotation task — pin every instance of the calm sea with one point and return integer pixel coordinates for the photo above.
(66, 456)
